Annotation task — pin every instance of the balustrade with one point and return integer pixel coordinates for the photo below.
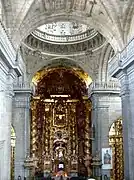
(67, 38)
(111, 85)
(122, 59)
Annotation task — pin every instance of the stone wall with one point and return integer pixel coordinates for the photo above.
(9, 70)
(106, 109)
(122, 67)
(21, 123)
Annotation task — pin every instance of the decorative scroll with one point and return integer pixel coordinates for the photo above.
(116, 143)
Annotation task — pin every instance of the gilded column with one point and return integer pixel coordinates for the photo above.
(74, 157)
(47, 136)
(87, 139)
(69, 139)
(33, 132)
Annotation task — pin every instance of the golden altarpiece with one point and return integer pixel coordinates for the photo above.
(61, 124)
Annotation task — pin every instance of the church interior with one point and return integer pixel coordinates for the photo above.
(66, 89)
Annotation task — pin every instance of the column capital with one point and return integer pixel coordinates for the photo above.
(22, 99)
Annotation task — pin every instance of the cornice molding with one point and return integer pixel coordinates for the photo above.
(7, 51)
(103, 88)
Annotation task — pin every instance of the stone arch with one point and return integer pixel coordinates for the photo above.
(59, 61)
(113, 121)
(106, 54)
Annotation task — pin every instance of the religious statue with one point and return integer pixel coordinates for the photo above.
(87, 164)
(60, 153)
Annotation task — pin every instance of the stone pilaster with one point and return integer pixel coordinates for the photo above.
(127, 97)
(100, 119)
(21, 121)
(122, 67)
(1, 157)
(6, 94)
(106, 108)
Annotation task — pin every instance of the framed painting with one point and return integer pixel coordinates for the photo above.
(107, 158)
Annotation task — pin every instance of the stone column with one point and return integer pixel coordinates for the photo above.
(1, 158)
(6, 93)
(100, 119)
(127, 96)
(122, 67)
(21, 121)
(3, 133)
